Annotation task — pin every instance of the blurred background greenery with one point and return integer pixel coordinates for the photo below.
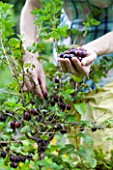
(17, 10)
(17, 7)
(5, 74)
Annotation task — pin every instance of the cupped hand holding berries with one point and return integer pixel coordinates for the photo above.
(34, 76)
(77, 61)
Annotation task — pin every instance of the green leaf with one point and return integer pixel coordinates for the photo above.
(92, 162)
(81, 108)
(70, 118)
(2, 125)
(86, 138)
(26, 143)
(44, 137)
(25, 129)
(69, 148)
(69, 91)
(7, 160)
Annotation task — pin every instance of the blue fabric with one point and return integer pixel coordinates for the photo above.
(73, 15)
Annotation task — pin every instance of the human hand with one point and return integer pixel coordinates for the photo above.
(77, 67)
(34, 76)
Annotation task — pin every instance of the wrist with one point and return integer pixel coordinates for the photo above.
(29, 56)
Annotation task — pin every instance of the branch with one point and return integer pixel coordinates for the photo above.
(3, 91)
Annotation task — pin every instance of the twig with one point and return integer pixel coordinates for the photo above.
(3, 91)
(6, 55)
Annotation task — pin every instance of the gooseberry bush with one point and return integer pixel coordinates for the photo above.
(43, 134)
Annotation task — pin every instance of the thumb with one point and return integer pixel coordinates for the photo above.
(89, 59)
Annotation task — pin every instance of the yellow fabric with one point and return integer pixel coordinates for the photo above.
(99, 102)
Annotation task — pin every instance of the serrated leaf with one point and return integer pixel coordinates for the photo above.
(69, 148)
(2, 125)
(7, 160)
(44, 137)
(86, 138)
(26, 142)
(25, 129)
(92, 162)
(81, 108)
(70, 118)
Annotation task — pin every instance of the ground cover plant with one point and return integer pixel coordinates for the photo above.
(45, 134)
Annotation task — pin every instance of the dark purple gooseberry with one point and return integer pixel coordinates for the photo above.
(30, 157)
(2, 117)
(55, 98)
(14, 165)
(45, 95)
(17, 124)
(68, 106)
(52, 103)
(12, 158)
(22, 158)
(62, 105)
(71, 56)
(73, 51)
(17, 159)
(59, 127)
(3, 143)
(81, 128)
(84, 53)
(51, 117)
(42, 148)
(63, 131)
(3, 154)
(27, 116)
(57, 80)
(61, 55)
(33, 111)
(51, 136)
(79, 52)
(67, 52)
(12, 125)
(94, 128)
(66, 55)
(80, 59)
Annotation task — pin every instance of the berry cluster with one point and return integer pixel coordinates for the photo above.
(15, 124)
(79, 53)
(46, 119)
(15, 159)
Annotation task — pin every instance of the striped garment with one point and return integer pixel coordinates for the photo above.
(75, 13)
(78, 10)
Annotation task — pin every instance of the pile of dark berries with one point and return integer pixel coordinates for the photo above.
(79, 53)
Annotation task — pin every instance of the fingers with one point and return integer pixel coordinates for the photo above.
(37, 86)
(67, 66)
(42, 79)
(76, 67)
(62, 64)
(27, 83)
(71, 67)
(34, 77)
(90, 59)
(25, 89)
(34, 83)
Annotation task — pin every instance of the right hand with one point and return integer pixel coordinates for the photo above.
(34, 76)
(83, 67)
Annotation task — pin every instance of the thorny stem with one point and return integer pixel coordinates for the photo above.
(3, 91)
(79, 155)
(15, 141)
(6, 54)
(11, 69)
